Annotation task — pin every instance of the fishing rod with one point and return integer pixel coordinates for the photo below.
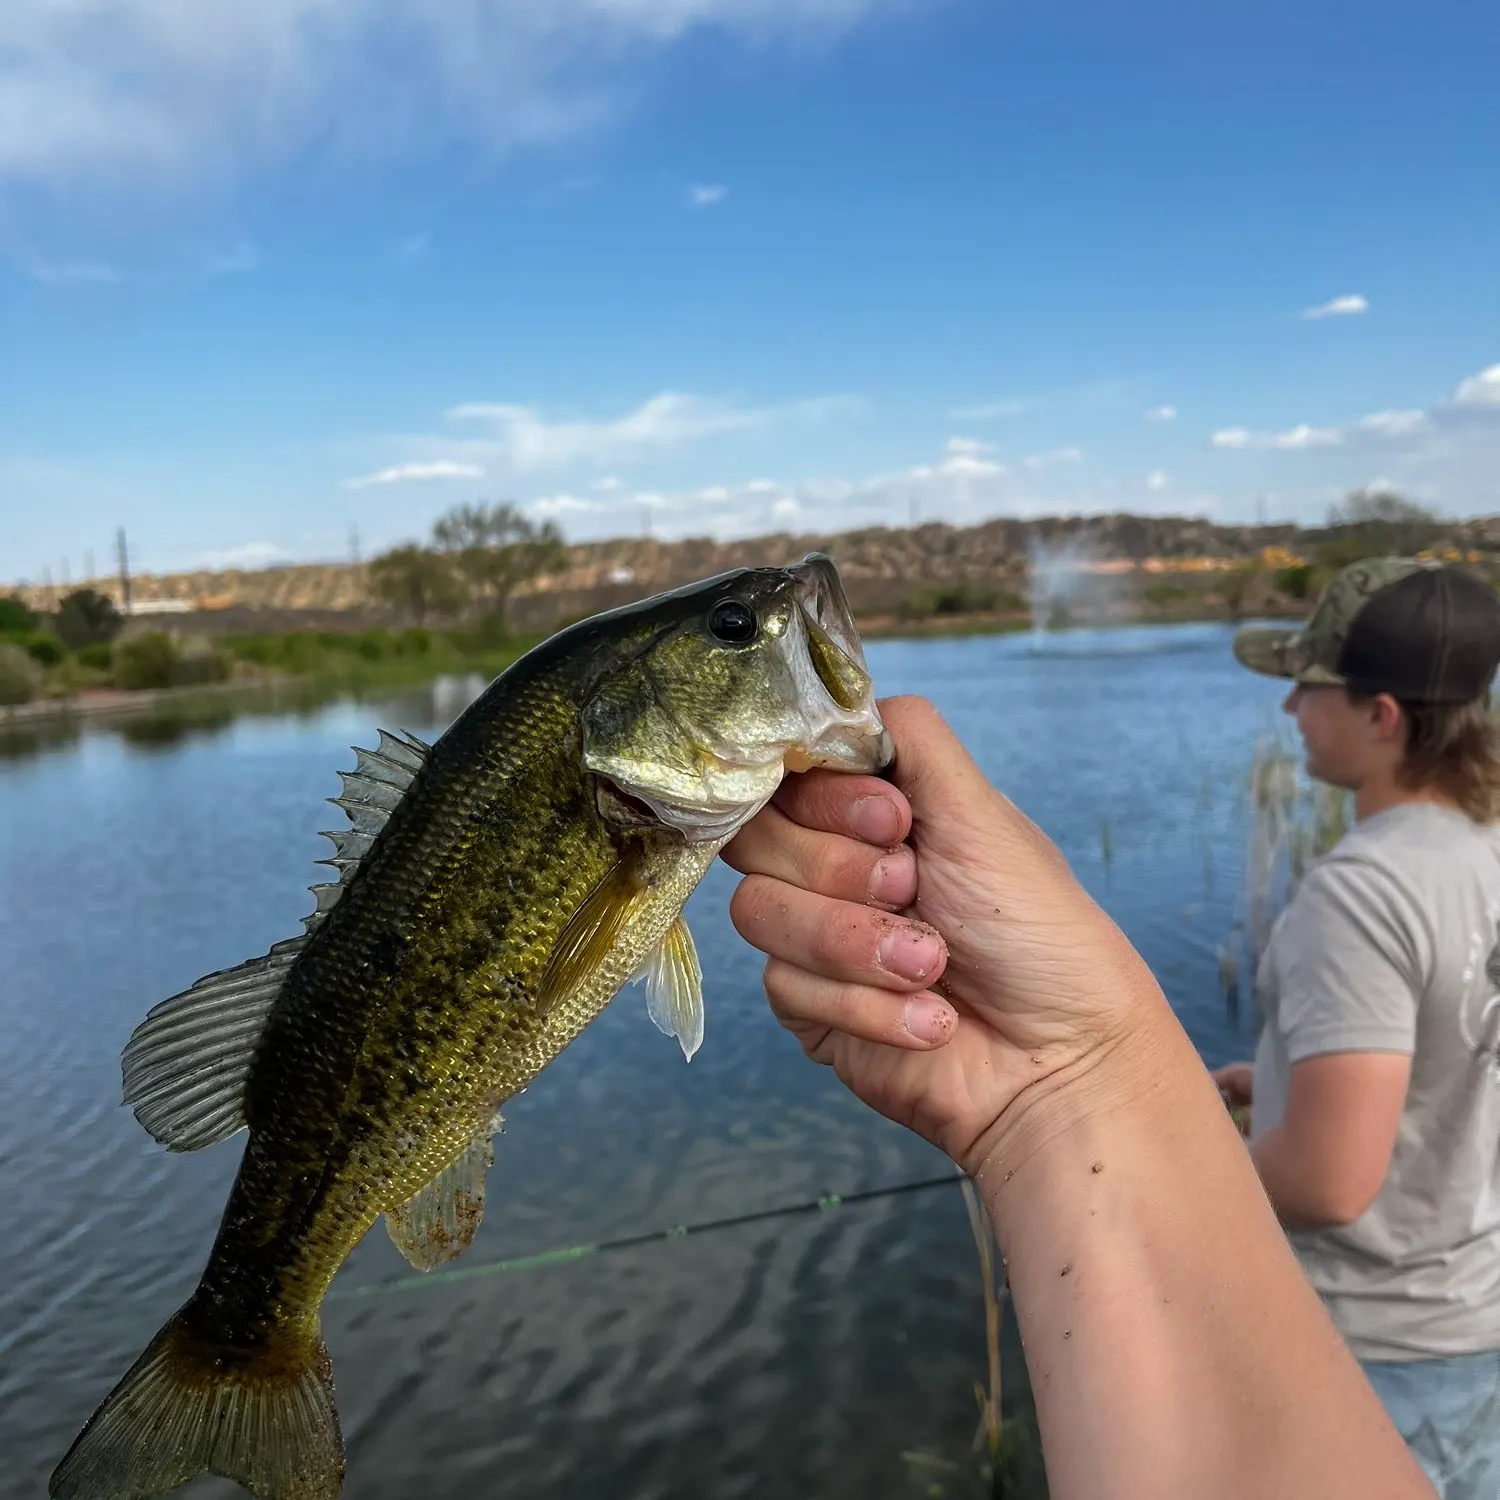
(568, 1253)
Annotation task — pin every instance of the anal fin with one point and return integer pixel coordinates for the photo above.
(436, 1224)
(674, 987)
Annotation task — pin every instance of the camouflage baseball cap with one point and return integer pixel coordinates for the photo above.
(1423, 633)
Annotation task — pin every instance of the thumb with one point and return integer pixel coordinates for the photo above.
(954, 807)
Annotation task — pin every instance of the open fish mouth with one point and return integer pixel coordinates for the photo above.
(844, 725)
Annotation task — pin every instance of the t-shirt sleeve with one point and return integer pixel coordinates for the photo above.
(1350, 972)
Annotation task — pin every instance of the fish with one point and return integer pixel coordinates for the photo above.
(495, 890)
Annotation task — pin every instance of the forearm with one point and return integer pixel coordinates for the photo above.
(1295, 1182)
(1175, 1347)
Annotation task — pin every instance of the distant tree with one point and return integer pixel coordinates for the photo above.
(14, 614)
(86, 617)
(497, 548)
(418, 580)
(1373, 522)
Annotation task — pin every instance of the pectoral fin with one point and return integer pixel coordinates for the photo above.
(674, 988)
(436, 1224)
(595, 928)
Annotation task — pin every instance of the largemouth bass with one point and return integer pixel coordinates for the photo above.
(495, 891)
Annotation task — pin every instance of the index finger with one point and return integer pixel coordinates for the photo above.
(861, 807)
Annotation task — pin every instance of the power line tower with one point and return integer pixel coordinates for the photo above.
(124, 555)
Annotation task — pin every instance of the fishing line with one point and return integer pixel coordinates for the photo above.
(824, 1204)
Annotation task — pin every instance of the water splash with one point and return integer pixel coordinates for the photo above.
(1064, 580)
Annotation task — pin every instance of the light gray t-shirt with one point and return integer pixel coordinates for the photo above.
(1392, 944)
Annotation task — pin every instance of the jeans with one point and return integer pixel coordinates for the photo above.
(1448, 1410)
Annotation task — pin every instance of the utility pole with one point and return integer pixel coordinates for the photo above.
(124, 571)
(354, 544)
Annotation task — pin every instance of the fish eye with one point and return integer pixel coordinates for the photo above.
(732, 622)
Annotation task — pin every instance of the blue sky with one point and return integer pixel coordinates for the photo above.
(271, 272)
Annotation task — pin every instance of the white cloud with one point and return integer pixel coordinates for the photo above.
(408, 473)
(250, 555)
(1394, 423)
(76, 273)
(971, 447)
(1301, 436)
(704, 195)
(526, 441)
(235, 260)
(413, 248)
(987, 410)
(1156, 480)
(1162, 414)
(152, 88)
(1339, 307)
(1055, 456)
(1482, 389)
(785, 508)
(609, 483)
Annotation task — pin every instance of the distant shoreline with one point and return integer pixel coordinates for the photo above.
(107, 703)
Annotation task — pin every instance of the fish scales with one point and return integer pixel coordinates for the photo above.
(496, 891)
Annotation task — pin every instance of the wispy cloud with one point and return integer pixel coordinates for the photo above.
(235, 260)
(249, 555)
(1156, 480)
(1054, 456)
(1394, 423)
(526, 441)
(1338, 307)
(705, 194)
(1162, 414)
(964, 483)
(166, 90)
(987, 411)
(76, 273)
(413, 248)
(1301, 436)
(441, 468)
(1482, 389)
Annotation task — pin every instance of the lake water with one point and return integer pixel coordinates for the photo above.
(806, 1355)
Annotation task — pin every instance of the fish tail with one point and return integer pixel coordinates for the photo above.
(186, 1408)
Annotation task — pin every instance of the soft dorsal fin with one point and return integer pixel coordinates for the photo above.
(185, 1065)
(372, 791)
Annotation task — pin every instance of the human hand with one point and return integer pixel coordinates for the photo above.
(928, 942)
(1236, 1083)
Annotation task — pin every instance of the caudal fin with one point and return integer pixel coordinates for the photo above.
(179, 1412)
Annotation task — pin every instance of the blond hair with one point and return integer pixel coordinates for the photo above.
(1455, 748)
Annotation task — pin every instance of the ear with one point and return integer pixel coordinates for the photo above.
(1386, 715)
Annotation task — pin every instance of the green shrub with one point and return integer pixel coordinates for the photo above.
(41, 646)
(99, 656)
(145, 661)
(19, 674)
(15, 614)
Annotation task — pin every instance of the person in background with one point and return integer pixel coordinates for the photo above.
(931, 945)
(1374, 1097)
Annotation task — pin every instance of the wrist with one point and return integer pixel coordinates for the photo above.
(1126, 1073)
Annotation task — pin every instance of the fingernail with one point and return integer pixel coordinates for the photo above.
(910, 952)
(894, 879)
(927, 1018)
(875, 820)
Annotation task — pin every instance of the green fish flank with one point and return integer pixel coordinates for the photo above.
(496, 891)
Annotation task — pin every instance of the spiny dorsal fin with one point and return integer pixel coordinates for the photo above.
(674, 987)
(372, 791)
(436, 1224)
(184, 1066)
